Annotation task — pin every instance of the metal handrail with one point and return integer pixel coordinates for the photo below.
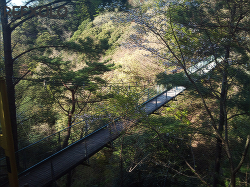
(65, 129)
(140, 94)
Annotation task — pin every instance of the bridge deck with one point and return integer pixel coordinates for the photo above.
(57, 165)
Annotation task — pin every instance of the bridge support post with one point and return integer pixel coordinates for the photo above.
(59, 140)
(52, 171)
(85, 141)
(109, 145)
(6, 139)
(148, 94)
(156, 102)
(86, 151)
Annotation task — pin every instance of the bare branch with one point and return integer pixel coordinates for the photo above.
(196, 173)
(165, 165)
(236, 115)
(243, 155)
(66, 86)
(131, 169)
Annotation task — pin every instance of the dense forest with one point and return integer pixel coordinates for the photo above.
(68, 76)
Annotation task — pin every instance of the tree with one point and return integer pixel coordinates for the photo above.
(188, 32)
(9, 24)
(71, 98)
(86, 9)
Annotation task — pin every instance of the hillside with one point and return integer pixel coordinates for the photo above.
(133, 63)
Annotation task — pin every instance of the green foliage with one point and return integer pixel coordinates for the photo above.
(105, 34)
(50, 65)
(172, 80)
(192, 31)
(186, 33)
(153, 148)
(57, 69)
(180, 115)
(125, 102)
(86, 9)
(85, 25)
(35, 109)
(46, 38)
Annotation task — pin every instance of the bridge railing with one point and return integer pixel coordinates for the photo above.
(203, 67)
(41, 150)
(84, 126)
(151, 92)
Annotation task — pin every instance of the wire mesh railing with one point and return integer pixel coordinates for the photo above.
(44, 148)
(83, 126)
(30, 123)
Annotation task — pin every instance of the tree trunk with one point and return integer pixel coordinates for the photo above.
(8, 62)
(219, 143)
(121, 163)
(66, 140)
(217, 161)
(216, 178)
(233, 181)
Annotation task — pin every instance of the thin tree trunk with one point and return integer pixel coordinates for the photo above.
(66, 140)
(121, 163)
(233, 181)
(243, 157)
(216, 178)
(217, 162)
(246, 174)
(8, 62)
(218, 148)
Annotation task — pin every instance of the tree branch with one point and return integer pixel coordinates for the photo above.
(165, 165)
(183, 60)
(85, 103)
(66, 86)
(236, 115)
(59, 103)
(191, 80)
(196, 173)
(192, 169)
(29, 17)
(35, 49)
(243, 155)
(16, 82)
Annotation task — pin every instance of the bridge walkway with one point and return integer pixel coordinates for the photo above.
(60, 163)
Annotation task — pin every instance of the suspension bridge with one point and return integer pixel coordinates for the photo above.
(41, 167)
